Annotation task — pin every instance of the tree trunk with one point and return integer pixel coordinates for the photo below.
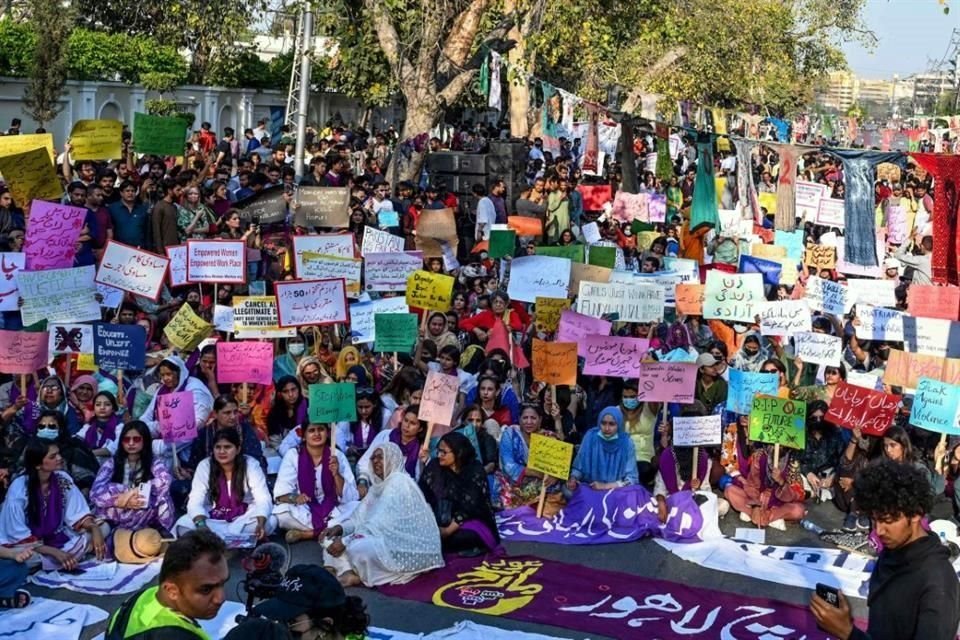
(422, 114)
(628, 161)
(519, 89)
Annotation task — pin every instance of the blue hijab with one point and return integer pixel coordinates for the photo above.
(602, 460)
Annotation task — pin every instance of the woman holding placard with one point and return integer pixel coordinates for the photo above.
(518, 485)
(174, 376)
(314, 485)
(767, 495)
(606, 459)
(354, 438)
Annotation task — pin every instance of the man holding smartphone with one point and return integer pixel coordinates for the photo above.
(914, 591)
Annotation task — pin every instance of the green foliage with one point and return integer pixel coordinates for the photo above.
(242, 67)
(48, 71)
(18, 42)
(358, 69)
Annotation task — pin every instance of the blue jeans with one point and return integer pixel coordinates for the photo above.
(13, 575)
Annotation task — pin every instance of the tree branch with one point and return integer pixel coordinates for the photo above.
(462, 34)
(389, 40)
(635, 96)
(452, 92)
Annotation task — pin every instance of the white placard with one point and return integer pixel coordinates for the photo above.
(328, 244)
(865, 380)
(111, 296)
(784, 318)
(311, 302)
(70, 338)
(830, 213)
(879, 323)
(133, 270)
(10, 264)
(688, 270)
(319, 267)
(877, 293)
(668, 281)
(807, 196)
(178, 265)
(697, 431)
(377, 241)
(827, 296)
(591, 233)
(362, 325)
(223, 261)
(532, 276)
(389, 271)
(931, 336)
(223, 318)
(637, 302)
(818, 348)
(733, 297)
(59, 295)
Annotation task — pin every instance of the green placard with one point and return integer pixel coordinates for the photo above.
(779, 421)
(334, 402)
(573, 252)
(503, 242)
(638, 226)
(603, 256)
(395, 332)
(164, 136)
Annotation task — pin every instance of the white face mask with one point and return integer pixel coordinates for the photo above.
(48, 433)
(296, 348)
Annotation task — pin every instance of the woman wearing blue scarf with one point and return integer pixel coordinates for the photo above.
(606, 459)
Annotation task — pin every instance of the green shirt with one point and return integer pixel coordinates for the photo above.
(150, 620)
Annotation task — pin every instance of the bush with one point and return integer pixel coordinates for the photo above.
(18, 42)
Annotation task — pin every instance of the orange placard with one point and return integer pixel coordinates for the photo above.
(555, 362)
(690, 299)
(931, 301)
(525, 226)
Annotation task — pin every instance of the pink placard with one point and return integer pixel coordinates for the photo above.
(613, 355)
(245, 361)
(574, 327)
(52, 233)
(23, 351)
(667, 382)
(177, 422)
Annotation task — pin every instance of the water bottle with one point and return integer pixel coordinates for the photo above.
(811, 526)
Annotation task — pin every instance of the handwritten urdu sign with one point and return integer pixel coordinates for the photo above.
(870, 411)
(317, 302)
(245, 361)
(614, 356)
(550, 456)
(697, 431)
(52, 233)
(177, 421)
(133, 270)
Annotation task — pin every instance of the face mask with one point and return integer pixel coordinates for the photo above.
(296, 349)
(609, 438)
(631, 403)
(48, 433)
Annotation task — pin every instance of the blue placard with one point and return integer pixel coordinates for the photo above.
(119, 346)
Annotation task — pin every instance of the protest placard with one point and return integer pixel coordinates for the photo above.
(85, 362)
(870, 411)
(96, 140)
(602, 256)
(831, 213)
(23, 352)
(734, 297)
(256, 317)
(70, 338)
(688, 271)
(133, 270)
(178, 265)
(792, 242)
(223, 261)
(779, 421)
(332, 402)
(316, 266)
(827, 296)
(389, 271)
(396, 332)
(269, 206)
(502, 244)
(12, 145)
(697, 431)
(554, 362)
(111, 297)
(550, 456)
(784, 318)
(119, 346)
(807, 197)
(865, 380)
(525, 226)
(931, 336)
(572, 252)
(745, 385)
(613, 356)
(905, 369)
(689, 299)
(245, 361)
(426, 290)
(575, 327)
(330, 244)
(667, 281)
(935, 406)
(586, 273)
(322, 207)
(186, 329)
(931, 301)
(317, 302)
(10, 265)
(439, 224)
(667, 382)
(591, 232)
(818, 348)
(439, 398)
(769, 270)
(58, 295)
(223, 318)
(767, 251)
(638, 302)
(532, 276)
(548, 312)
(377, 241)
(52, 233)
(363, 328)
(820, 257)
(879, 323)
(159, 135)
(30, 176)
(877, 293)
(178, 423)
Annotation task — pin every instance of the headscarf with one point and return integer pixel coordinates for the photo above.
(363, 378)
(86, 409)
(342, 366)
(307, 485)
(306, 361)
(745, 362)
(602, 460)
(410, 450)
(31, 412)
(444, 338)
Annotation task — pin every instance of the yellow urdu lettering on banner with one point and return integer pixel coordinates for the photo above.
(496, 588)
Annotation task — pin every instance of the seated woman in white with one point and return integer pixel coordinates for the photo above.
(409, 438)
(229, 495)
(314, 485)
(45, 510)
(392, 536)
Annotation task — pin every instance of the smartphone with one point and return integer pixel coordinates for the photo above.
(830, 594)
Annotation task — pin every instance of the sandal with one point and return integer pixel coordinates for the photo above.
(20, 599)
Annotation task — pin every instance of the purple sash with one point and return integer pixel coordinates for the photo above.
(483, 531)
(94, 438)
(51, 515)
(307, 485)
(358, 441)
(228, 507)
(410, 451)
(668, 470)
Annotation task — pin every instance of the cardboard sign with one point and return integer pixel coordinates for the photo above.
(133, 270)
(831, 213)
(23, 352)
(52, 234)
(784, 318)
(389, 271)
(312, 302)
(12, 145)
(935, 406)
(256, 317)
(767, 251)
(267, 207)
(532, 276)
(525, 226)
(697, 431)
(332, 402)
(70, 338)
(377, 241)
(502, 244)
(178, 423)
(744, 386)
(870, 411)
(223, 318)
(792, 242)
(178, 265)
(931, 301)
(905, 369)
(637, 302)
(340, 245)
(395, 332)
(363, 327)
(119, 346)
(186, 329)
(667, 382)
(97, 140)
(576, 327)
(931, 336)
(587, 273)
(572, 252)
(316, 266)
(159, 135)
(779, 421)
(432, 291)
(60, 295)
(548, 312)
(10, 265)
(879, 323)
(878, 293)
(554, 362)
(689, 299)
(734, 297)
(550, 456)
(818, 348)
(223, 261)
(322, 207)
(30, 176)
(245, 361)
(613, 356)
(439, 224)
(820, 257)
(807, 198)
(439, 398)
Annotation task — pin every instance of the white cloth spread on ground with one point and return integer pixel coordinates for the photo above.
(463, 630)
(49, 619)
(128, 578)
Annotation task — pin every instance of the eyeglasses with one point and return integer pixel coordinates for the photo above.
(770, 370)
(132, 439)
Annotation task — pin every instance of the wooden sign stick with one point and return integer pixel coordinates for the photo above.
(120, 396)
(776, 456)
(543, 496)
(696, 459)
(23, 385)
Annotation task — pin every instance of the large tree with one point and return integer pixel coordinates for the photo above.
(48, 71)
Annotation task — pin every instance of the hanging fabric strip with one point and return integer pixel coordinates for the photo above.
(946, 230)
(592, 149)
(746, 190)
(785, 218)
(494, 101)
(720, 128)
(704, 208)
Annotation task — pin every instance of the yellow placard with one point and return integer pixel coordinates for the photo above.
(550, 456)
(645, 239)
(433, 291)
(12, 145)
(30, 175)
(768, 201)
(788, 274)
(548, 312)
(85, 362)
(96, 140)
(820, 256)
(768, 251)
(186, 329)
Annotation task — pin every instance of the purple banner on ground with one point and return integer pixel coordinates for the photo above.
(603, 517)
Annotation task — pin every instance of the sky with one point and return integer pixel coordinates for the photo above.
(910, 33)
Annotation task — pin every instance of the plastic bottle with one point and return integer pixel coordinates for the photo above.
(811, 526)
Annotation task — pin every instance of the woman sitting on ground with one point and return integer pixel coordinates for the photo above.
(409, 437)
(100, 433)
(606, 459)
(768, 495)
(519, 486)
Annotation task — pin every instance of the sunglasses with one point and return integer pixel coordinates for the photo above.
(770, 370)
(132, 439)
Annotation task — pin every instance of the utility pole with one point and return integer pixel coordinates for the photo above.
(298, 96)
